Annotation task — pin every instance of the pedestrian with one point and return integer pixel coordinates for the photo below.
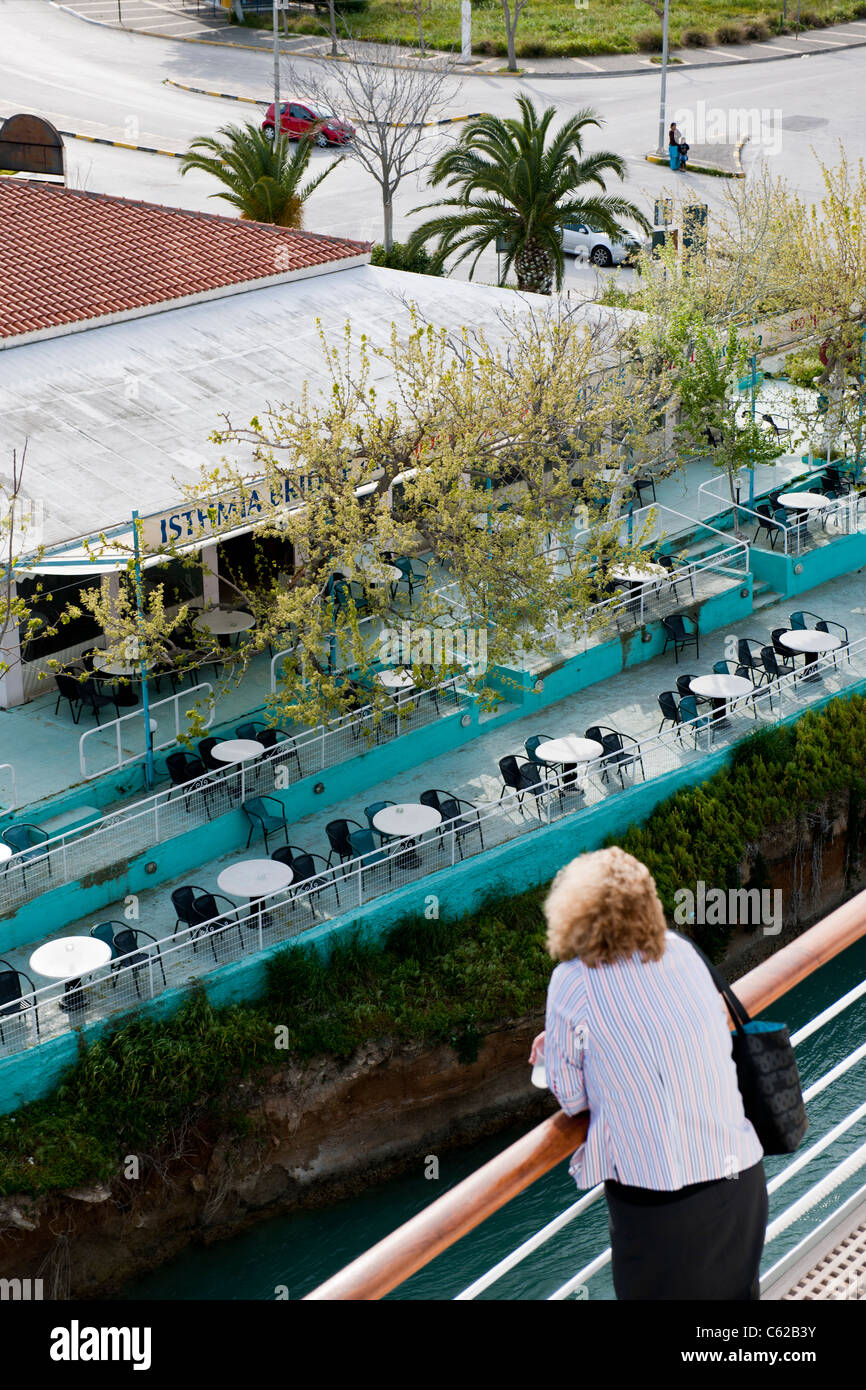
(684, 152)
(674, 138)
(637, 1034)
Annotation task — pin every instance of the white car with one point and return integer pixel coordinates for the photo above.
(580, 240)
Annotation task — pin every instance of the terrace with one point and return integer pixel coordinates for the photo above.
(607, 790)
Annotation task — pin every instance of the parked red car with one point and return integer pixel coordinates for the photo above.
(297, 119)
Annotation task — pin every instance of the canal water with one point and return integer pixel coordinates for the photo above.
(287, 1256)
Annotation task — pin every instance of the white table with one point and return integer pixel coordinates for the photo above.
(720, 689)
(569, 753)
(407, 818)
(631, 574)
(237, 750)
(569, 750)
(255, 878)
(810, 642)
(377, 571)
(68, 958)
(225, 622)
(5, 852)
(805, 501)
(395, 680)
(107, 667)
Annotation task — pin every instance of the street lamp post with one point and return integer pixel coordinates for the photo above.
(277, 120)
(664, 78)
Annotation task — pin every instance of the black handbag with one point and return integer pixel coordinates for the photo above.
(766, 1071)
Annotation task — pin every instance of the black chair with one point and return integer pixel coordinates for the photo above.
(93, 699)
(280, 747)
(522, 777)
(413, 571)
(677, 632)
(125, 949)
(458, 815)
(766, 522)
(837, 630)
(68, 688)
(183, 767)
(304, 871)
(617, 754)
(198, 910)
(684, 684)
(751, 660)
(338, 832)
(13, 999)
(205, 752)
(642, 485)
(667, 563)
(772, 670)
(670, 709)
(268, 813)
(778, 430)
(784, 655)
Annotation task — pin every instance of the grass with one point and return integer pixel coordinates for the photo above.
(137, 1089)
(551, 28)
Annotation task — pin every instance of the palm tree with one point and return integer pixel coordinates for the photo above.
(262, 176)
(519, 184)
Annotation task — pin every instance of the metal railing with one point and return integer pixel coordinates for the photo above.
(452, 1216)
(350, 886)
(126, 722)
(129, 830)
(842, 513)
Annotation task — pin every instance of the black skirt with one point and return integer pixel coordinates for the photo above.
(702, 1242)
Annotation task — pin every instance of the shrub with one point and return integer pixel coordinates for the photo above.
(695, 38)
(757, 30)
(649, 40)
(729, 33)
(810, 19)
(802, 367)
(400, 257)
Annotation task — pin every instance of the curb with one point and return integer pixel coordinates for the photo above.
(266, 101)
(653, 69)
(118, 144)
(713, 169)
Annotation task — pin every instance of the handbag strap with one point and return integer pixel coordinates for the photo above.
(737, 1009)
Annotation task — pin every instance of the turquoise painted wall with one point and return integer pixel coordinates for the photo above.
(842, 555)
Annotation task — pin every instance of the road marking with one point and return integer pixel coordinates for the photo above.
(726, 53)
(584, 64)
(774, 47)
(804, 38)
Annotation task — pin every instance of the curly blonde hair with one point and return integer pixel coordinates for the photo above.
(603, 907)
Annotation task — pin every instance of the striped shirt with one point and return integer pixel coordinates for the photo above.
(645, 1046)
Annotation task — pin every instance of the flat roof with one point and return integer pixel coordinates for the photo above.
(118, 418)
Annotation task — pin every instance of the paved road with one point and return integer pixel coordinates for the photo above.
(207, 20)
(107, 83)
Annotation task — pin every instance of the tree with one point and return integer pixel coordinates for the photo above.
(471, 458)
(19, 534)
(711, 407)
(262, 176)
(389, 104)
(511, 13)
(519, 183)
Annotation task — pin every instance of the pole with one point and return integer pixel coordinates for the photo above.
(466, 31)
(752, 464)
(119, 15)
(277, 120)
(145, 695)
(662, 145)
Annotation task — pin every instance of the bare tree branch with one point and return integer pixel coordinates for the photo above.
(389, 105)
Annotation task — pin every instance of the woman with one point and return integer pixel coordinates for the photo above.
(674, 139)
(637, 1033)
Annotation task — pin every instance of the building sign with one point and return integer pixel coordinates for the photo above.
(192, 522)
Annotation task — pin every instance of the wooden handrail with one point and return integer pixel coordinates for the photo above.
(451, 1216)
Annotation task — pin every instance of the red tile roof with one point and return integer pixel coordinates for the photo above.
(68, 256)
